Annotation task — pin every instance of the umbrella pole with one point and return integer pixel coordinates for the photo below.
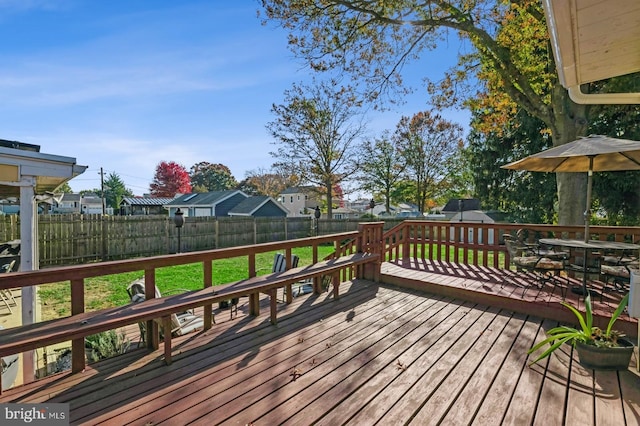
(587, 211)
(587, 218)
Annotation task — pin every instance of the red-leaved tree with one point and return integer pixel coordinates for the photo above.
(170, 179)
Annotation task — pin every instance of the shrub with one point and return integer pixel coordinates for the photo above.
(106, 344)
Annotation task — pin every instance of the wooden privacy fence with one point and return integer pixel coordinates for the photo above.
(68, 239)
(77, 239)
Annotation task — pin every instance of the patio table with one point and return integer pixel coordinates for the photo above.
(588, 247)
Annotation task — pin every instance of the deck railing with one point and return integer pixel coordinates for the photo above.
(460, 242)
(366, 240)
(481, 243)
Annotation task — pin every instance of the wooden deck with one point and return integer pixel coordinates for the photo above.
(509, 289)
(380, 354)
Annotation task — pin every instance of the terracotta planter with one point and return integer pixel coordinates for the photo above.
(605, 358)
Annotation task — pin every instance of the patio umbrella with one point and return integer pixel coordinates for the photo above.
(589, 154)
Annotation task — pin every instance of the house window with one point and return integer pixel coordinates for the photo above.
(292, 199)
(298, 198)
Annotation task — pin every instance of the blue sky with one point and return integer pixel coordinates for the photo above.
(123, 85)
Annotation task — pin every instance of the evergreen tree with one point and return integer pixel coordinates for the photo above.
(114, 191)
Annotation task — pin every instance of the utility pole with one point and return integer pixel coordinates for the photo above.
(102, 218)
(102, 190)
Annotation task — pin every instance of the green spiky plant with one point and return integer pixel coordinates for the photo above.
(106, 344)
(587, 334)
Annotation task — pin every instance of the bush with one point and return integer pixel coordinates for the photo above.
(106, 344)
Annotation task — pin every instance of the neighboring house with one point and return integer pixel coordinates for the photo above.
(225, 203)
(468, 210)
(143, 205)
(477, 216)
(259, 206)
(9, 206)
(300, 201)
(461, 204)
(69, 203)
(407, 208)
(92, 204)
(361, 204)
(345, 213)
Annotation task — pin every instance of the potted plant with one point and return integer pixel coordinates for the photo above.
(597, 348)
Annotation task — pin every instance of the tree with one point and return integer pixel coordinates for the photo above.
(618, 193)
(316, 130)
(170, 179)
(457, 181)
(528, 197)
(265, 182)
(381, 168)
(338, 195)
(426, 141)
(115, 190)
(64, 189)
(199, 189)
(372, 41)
(213, 177)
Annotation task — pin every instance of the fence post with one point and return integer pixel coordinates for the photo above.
(286, 228)
(255, 230)
(103, 237)
(216, 240)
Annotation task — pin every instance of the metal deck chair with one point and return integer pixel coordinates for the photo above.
(530, 261)
(6, 295)
(181, 323)
(280, 265)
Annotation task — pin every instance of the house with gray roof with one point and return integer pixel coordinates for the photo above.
(68, 203)
(143, 205)
(225, 203)
(259, 206)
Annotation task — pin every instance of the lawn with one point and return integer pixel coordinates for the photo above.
(111, 290)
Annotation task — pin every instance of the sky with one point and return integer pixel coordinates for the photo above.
(123, 85)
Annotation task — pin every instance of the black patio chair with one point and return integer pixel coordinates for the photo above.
(529, 260)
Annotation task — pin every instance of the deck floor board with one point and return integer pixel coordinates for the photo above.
(379, 354)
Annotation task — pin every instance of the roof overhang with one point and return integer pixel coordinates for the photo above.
(594, 40)
(46, 172)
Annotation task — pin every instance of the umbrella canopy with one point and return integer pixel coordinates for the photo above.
(608, 154)
(587, 154)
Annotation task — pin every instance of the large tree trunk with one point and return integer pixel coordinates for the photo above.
(329, 194)
(570, 122)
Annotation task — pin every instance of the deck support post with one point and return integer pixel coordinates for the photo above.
(209, 319)
(254, 304)
(78, 362)
(289, 293)
(166, 328)
(273, 301)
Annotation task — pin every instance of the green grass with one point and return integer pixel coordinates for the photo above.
(111, 290)
(481, 254)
